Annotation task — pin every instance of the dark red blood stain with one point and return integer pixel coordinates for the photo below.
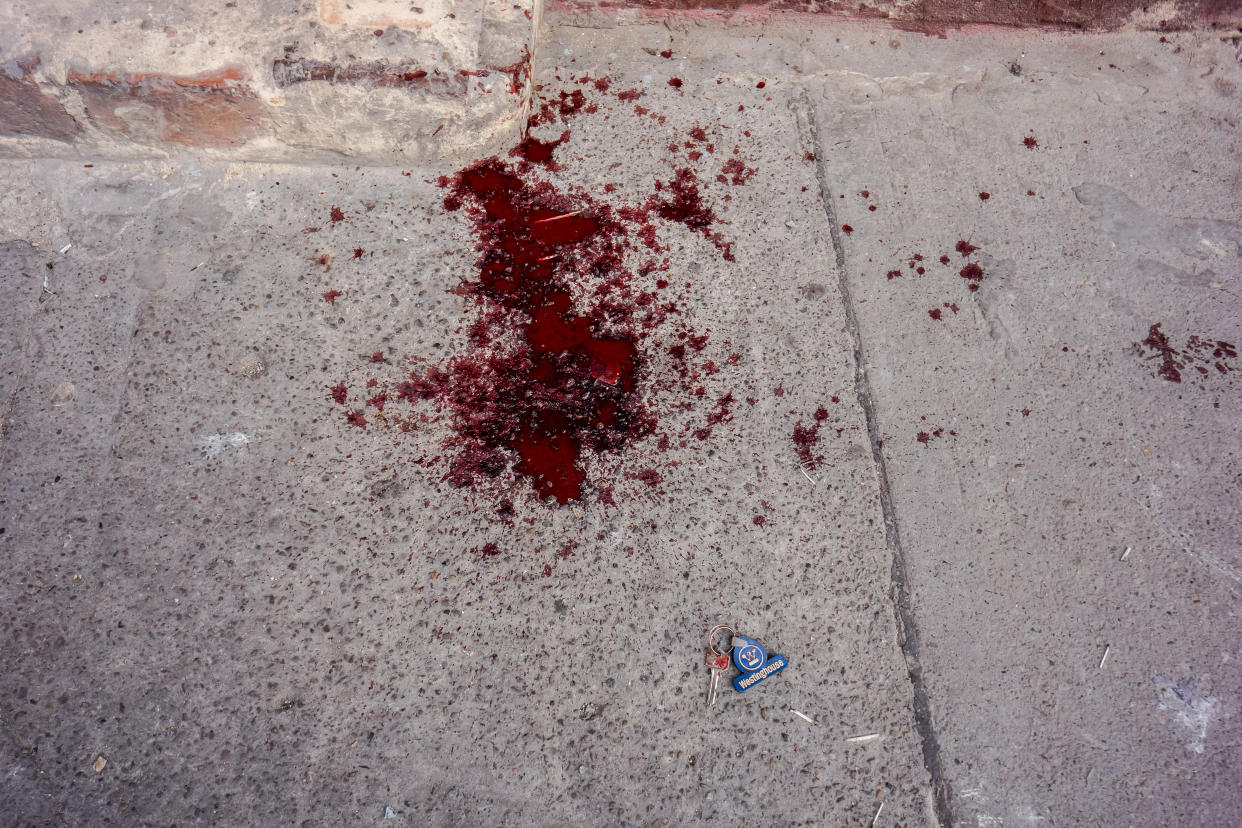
(547, 571)
(553, 370)
(1026, 412)
(694, 155)
(378, 401)
(964, 247)
(760, 85)
(846, 228)
(1158, 342)
(339, 393)
(357, 419)
(894, 274)
(1030, 192)
(821, 413)
(738, 170)
(489, 550)
(378, 356)
(675, 83)
(973, 274)
(602, 84)
(871, 207)
(805, 440)
(358, 251)
(337, 215)
(698, 134)
(685, 206)
(324, 259)
(649, 476)
(330, 296)
(920, 270)
(1030, 142)
(758, 520)
(538, 152)
(952, 306)
(629, 95)
(723, 412)
(865, 193)
(984, 196)
(923, 437)
(944, 260)
(836, 399)
(934, 313)
(778, 391)
(667, 54)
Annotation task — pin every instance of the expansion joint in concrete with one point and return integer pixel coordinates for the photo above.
(907, 630)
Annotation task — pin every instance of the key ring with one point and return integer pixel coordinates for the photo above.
(712, 634)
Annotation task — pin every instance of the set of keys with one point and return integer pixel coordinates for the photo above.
(748, 655)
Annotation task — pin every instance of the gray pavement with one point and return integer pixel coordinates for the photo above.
(1003, 561)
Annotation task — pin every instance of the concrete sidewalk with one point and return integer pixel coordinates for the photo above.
(926, 380)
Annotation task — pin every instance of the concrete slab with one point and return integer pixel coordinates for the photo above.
(244, 561)
(226, 602)
(1067, 512)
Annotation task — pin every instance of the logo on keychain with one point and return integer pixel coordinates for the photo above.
(751, 658)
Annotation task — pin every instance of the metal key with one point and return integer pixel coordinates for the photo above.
(717, 664)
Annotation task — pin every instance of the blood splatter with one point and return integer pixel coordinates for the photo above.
(1030, 142)
(934, 313)
(330, 296)
(984, 196)
(339, 393)
(846, 228)
(336, 215)
(538, 152)
(1201, 353)
(806, 438)
(554, 368)
(737, 169)
(667, 54)
(759, 520)
(964, 247)
(358, 251)
(675, 83)
(973, 274)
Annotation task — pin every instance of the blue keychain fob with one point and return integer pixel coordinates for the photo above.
(751, 658)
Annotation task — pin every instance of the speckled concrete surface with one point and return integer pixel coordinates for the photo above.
(225, 605)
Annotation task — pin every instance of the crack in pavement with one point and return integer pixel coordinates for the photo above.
(907, 629)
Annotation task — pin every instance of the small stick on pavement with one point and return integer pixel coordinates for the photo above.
(801, 715)
(877, 814)
(870, 737)
(807, 476)
(1125, 554)
(1104, 657)
(561, 216)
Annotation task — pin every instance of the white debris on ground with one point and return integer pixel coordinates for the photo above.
(216, 444)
